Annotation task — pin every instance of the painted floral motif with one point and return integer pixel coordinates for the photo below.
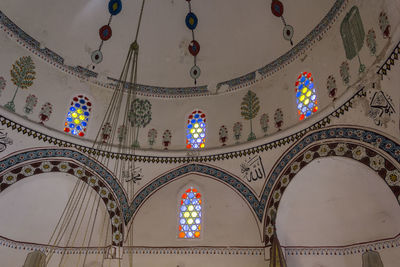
(104, 192)
(116, 221)
(264, 119)
(139, 116)
(278, 117)
(377, 162)
(45, 112)
(2, 84)
(393, 177)
(249, 109)
(111, 205)
(276, 195)
(22, 75)
(106, 132)
(152, 135)
(223, 134)
(323, 150)
(93, 181)
(117, 237)
(63, 167)
(27, 170)
(345, 72)
(30, 104)
(237, 131)
(384, 25)
(285, 180)
(166, 138)
(270, 230)
(331, 87)
(10, 178)
(371, 42)
(295, 167)
(341, 149)
(359, 153)
(46, 166)
(308, 156)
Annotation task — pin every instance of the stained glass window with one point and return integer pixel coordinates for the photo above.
(196, 130)
(78, 116)
(306, 96)
(190, 210)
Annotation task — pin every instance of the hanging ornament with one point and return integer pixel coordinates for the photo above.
(97, 57)
(105, 32)
(195, 72)
(114, 7)
(277, 10)
(194, 48)
(191, 21)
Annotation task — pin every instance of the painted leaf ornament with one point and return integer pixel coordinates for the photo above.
(194, 48)
(97, 57)
(191, 21)
(105, 32)
(195, 72)
(114, 7)
(277, 8)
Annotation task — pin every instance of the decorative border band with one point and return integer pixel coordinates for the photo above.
(345, 250)
(386, 67)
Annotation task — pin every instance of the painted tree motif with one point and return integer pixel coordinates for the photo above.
(223, 134)
(331, 86)
(237, 130)
(371, 42)
(30, 104)
(352, 32)
(2, 84)
(121, 133)
(278, 117)
(345, 72)
(264, 123)
(106, 132)
(139, 116)
(249, 109)
(166, 139)
(152, 135)
(22, 75)
(384, 25)
(45, 112)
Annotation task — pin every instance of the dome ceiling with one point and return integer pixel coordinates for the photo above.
(235, 37)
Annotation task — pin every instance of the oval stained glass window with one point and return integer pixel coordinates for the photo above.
(78, 116)
(306, 97)
(196, 130)
(190, 214)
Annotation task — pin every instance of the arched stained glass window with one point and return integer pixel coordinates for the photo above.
(190, 211)
(78, 116)
(196, 130)
(306, 96)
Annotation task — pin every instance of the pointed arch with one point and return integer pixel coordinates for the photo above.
(190, 214)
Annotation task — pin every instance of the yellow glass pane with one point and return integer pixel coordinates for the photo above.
(308, 93)
(301, 98)
(190, 208)
(192, 131)
(307, 101)
(196, 135)
(79, 111)
(81, 117)
(199, 130)
(190, 221)
(196, 125)
(194, 214)
(202, 145)
(186, 214)
(74, 115)
(77, 121)
(304, 90)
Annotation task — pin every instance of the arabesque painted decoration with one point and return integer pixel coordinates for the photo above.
(223, 134)
(190, 214)
(30, 104)
(78, 116)
(196, 130)
(45, 112)
(306, 97)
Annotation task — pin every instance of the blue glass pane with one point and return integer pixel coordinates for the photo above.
(74, 132)
(298, 94)
(182, 221)
(198, 140)
(86, 113)
(308, 113)
(304, 109)
(196, 116)
(302, 79)
(200, 120)
(299, 106)
(306, 82)
(84, 123)
(188, 136)
(187, 202)
(190, 126)
(301, 86)
(197, 221)
(79, 128)
(194, 227)
(84, 107)
(186, 227)
(69, 119)
(193, 121)
(190, 234)
(192, 141)
(71, 125)
(72, 108)
(183, 208)
(198, 207)
(196, 146)
(311, 86)
(313, 97)
(77, 105)
(202, 125)
(311, 105)
(191, 195)
(82, 101)
(202, 135)
(194, 201)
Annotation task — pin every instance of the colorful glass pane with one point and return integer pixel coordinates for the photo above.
(196, 130)
(306, 96)
(78, 116)
(190, 214)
